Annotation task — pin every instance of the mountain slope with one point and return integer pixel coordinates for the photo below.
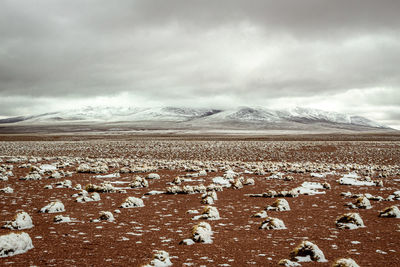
(262, 116)
(247, 118)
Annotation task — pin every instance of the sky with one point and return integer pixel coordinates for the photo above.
(341, 55)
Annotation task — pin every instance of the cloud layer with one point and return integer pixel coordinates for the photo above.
(334, 55)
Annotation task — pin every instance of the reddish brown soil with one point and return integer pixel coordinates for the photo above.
(164, 221)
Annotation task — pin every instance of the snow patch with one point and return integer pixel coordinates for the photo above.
(310, 188)
(391, 212)
(272, 224)
(345, 262)
(201, 233)
(221, 181)
(112, 175)
(307, 251)
(21, 221)
(153, 176)
(154, 192)
(131, 202)
(288, 263)
(280, 204)
(7, 190)
(53, 207)
(13, 244)
(209, 213)
(47, 167)
(106, 216)
(62, 219)
(160, 259)
(350, 221)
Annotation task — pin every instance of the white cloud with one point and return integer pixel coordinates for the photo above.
(334, 56)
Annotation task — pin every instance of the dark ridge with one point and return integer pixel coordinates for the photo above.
(15, 119)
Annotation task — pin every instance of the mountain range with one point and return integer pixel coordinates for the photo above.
(198, 119)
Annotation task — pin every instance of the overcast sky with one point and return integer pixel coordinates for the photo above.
(336, 55)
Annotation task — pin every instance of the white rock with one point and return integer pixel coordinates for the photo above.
(160, 259)
(214, 187)
(363, 203)
(192, 212)
(78, 187)
(64, 184)
(48, 167)
(353, 181)
(221, 181)
(62, 219)
(392, 212)
(202, 173)
(53, 207)
(106, 216)
(280, 204)
(237, 184)
(345, 263)
(154, 192)
(272, 224)
(13, 244)
(209, 213)
(350, 221)
(21, 221)
(209, 197)
(288, 263)
(307, 251)
(200, 188)
(270, 193)
(396, 194)
(105, 187)
(173, 189)
(139, 182)
(177, 180)
(207, 200)
(7, 190)
(261, 214)
(84, 196)
(112, 175)
(346, 194)
(187, 242)
(212, 194)
(249, 181)
(188, 189)
(202, 233)
(55, 175)
(153, 176)
(131, 202)
(83, 168)
(230, 174)
(310, 188)
(32, 176)
(318, 175)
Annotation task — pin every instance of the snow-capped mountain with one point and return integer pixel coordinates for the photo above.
(114, 114)
(249, 118)
(304, 114)
(296, 115)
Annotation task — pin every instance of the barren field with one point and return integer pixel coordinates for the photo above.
(203, 200)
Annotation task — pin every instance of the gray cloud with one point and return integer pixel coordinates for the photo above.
(202, 52)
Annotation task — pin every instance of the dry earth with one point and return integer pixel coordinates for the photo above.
(274, 163)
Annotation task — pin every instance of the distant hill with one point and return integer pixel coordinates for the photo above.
(193, 119)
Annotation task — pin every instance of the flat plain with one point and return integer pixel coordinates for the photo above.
(235, 184)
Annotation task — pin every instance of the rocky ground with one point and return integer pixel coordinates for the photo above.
(321, 180)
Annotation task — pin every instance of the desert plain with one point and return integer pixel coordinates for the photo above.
(205, 200)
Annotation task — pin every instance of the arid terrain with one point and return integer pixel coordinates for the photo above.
(122, 197)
